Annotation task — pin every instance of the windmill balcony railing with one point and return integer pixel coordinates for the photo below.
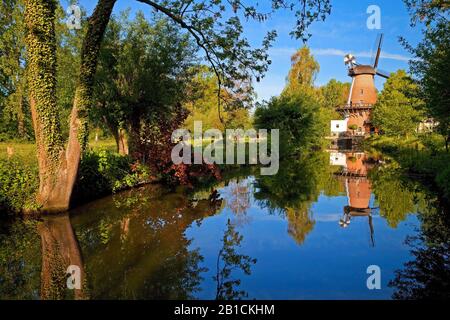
(354, 106)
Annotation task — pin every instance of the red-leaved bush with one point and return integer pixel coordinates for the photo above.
(155, 147)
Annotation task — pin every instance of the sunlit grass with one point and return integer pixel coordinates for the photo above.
(26, 151)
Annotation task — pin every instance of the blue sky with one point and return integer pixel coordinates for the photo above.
(344, 31)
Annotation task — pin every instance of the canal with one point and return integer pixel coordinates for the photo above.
(310, 232)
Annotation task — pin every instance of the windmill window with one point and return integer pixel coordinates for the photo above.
(361, 91)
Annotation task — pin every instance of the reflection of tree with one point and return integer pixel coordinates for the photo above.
(147, 254)
(300, 224)
(59, 250)
(36, 268)
(395, 197)
(237, 197)
(228, 261)
(292, 191)
(20, 260)
(428, 275)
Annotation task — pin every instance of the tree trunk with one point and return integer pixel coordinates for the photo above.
(447, 140)
(59, 251)
(120, 137)
(122, 142)
(135, 146)
(20, 114)
(58, 167)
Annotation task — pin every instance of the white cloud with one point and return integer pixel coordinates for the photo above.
(339, 52)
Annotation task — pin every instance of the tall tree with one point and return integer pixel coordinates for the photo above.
(432, 63)
(334, 93)
(303, 72)
(398, 109)
(12, 64)
(58, 166)
(202, 104)
(130, 95)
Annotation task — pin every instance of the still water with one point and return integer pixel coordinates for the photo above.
(309, 232)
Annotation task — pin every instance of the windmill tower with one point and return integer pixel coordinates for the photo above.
(363, 94)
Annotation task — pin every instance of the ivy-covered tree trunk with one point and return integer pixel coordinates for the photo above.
(21, 114)
(60, 250)
(58, 166)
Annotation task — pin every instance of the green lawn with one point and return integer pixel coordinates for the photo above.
(26, 151)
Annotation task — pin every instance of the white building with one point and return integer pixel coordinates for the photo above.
(338, 159)
(338, 127)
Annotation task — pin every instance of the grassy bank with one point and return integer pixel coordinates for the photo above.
(102, 171)
(423, 157)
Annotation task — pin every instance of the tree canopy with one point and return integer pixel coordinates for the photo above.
(398, 109)
(431, 65)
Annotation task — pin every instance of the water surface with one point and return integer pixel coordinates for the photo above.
(309, 232)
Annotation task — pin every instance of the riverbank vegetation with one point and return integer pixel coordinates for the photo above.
(413, 111)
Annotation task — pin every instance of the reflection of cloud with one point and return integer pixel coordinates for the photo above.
(327, 217)
(286, 51)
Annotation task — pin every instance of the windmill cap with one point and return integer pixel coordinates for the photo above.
(362, 69)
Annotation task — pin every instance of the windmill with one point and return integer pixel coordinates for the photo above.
(363, 94)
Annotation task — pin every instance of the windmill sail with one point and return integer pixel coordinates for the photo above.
(382, 73)
(378, 52)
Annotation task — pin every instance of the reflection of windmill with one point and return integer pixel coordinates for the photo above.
(358, 190)
(350, 212)
(363, 94)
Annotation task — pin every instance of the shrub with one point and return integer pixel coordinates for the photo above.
(433, 142)
(18, 185)
(301, 121)
(443, 175)
(104, 172)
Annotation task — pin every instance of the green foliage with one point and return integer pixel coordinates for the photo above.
(443, 180)
(300, 120)
(20, 260)
(415, 158)
(283, 190)
(144, 69)
(394, 198)
(202, 105)
(15, 118)
(398, 109)
(217, 28)
(432, 63)
(18, 185)
(334, 93)
(41, 72)
(303, 72)
(68, 53)
(104, 172)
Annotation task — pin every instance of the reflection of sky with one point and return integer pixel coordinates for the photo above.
(330, 264)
